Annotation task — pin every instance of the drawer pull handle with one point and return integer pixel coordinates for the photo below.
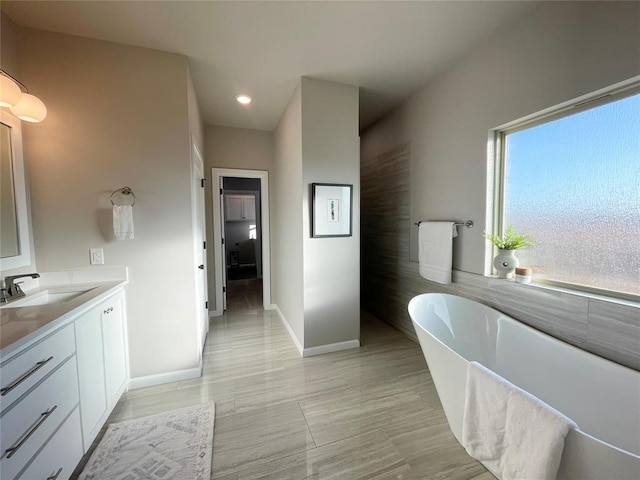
(25, 375)
(43, 416)
(53, 476)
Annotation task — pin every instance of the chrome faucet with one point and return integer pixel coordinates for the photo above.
(12, 288)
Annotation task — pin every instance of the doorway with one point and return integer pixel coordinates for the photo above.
(242, 233)
(241, 239)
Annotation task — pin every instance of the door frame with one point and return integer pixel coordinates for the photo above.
(217, 174)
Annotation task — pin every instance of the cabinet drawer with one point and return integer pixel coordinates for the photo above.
(60, 456)
(29, 423)
(26, 369)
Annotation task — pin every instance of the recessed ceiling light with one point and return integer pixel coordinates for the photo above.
(243, 99)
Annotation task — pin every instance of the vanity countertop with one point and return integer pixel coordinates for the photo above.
(22, 326)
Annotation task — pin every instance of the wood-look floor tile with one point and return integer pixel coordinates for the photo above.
(484, 476)
(156, 390)
(369, 456)
(249, 439)
(423, 438)
(141, 405)
(291, 383)
(366, 413)
(244, 294)
(231, 476)
(341, 413)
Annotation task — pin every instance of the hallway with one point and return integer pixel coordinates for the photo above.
(370, 412)
(244, 294)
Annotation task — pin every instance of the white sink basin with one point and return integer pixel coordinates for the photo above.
(48, 297)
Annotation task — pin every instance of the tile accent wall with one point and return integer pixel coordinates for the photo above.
(609, 329)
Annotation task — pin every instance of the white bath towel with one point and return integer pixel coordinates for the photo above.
(123, 222)
(435, 250)
(511, 432)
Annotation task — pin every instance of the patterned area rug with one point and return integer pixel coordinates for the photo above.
(172, 445)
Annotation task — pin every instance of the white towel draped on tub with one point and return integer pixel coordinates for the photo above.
(435, 250)
(511, 432)
(123, 222)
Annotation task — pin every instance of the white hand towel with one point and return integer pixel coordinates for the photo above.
(435, 250)
(123, 222)
(511, 432)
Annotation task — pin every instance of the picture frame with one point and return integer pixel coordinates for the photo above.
(331, 210)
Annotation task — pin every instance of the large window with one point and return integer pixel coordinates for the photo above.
(572, 181)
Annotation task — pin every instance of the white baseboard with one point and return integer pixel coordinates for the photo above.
(215, 313)
(311, 351)
(297, 343)
(160, 378)
(331, 347)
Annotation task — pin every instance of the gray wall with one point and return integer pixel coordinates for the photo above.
(118, 115)
(330, 154)
(561, 51)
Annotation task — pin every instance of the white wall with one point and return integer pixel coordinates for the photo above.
(287, 280)
(118, 115)
(330, 154)
(196, 127)
(238, 148)
(561, 51)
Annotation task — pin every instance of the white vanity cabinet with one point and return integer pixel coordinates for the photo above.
(57, 392)
(39, 399)
(102, 363)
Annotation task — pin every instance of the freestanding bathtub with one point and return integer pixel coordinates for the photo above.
(602, 397)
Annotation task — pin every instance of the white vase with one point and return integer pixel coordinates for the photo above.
(505, 263)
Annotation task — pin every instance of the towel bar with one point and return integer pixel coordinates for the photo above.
(468, 224)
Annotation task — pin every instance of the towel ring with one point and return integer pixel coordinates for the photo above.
(123, 191)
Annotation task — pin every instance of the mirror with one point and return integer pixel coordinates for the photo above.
(15, 248)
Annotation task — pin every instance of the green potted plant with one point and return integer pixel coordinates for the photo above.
(505, 261)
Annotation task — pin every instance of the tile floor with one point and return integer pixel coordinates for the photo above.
(244, 294)
(367, 413)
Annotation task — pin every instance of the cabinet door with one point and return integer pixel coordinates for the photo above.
(249, 207)
(234, 207)
(113, 332)
(91, 375)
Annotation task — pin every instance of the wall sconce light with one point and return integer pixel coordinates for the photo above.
(23, 105)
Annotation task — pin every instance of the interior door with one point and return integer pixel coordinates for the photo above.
(199, 235)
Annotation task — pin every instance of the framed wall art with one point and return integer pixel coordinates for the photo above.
(331, 210)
